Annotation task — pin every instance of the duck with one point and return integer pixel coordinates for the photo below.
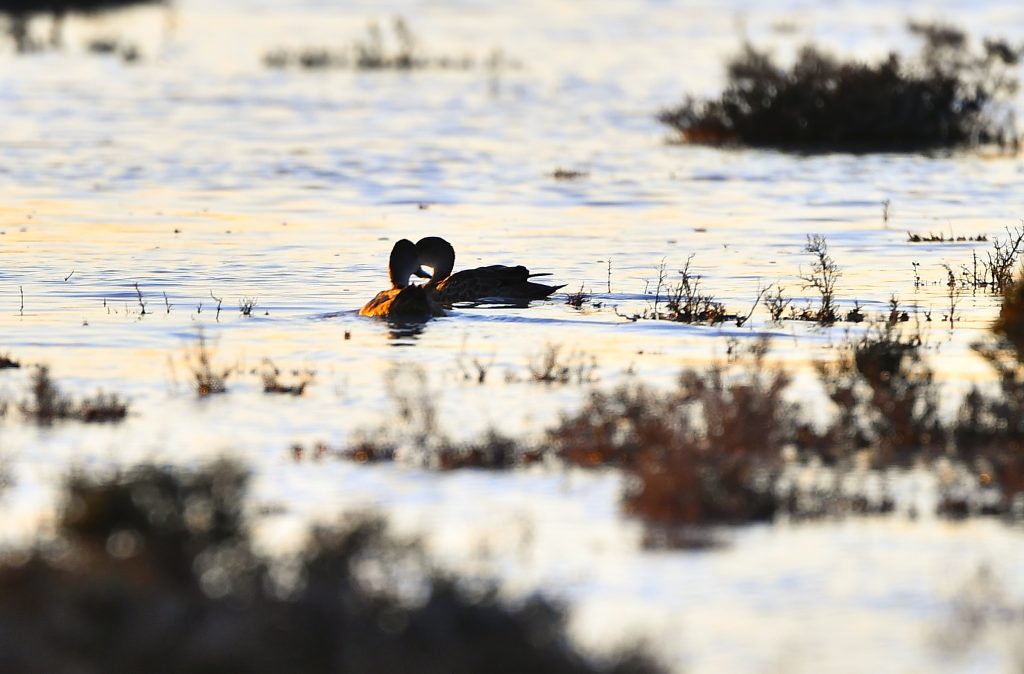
(402, 301)
(496, 281)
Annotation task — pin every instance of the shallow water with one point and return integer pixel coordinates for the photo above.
(200, 172)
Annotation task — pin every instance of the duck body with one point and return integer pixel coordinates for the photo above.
(403, 302)
(495, 282)
(411, 303)
(498, 282)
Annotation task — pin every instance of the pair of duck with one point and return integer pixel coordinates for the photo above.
(407, 302)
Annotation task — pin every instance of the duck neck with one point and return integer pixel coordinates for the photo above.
(442, 270)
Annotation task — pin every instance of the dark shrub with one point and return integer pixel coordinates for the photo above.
(705, 454)
(48, 404)
(155, 572)
(989, 432)
(886, 401)
(938, 100)
(1010, 324)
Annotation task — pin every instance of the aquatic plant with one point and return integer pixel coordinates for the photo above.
(942, 98)
(363, 451)
(685, 301)
(155, 571)
(247, 304)
(953, 296)
(568, 174)
(380, 50)
(704, 454)
(727, 446)
(272, 383)
(414, 425)
(854, 315)
(577, 299)
(493, 451)
(474, 369)
(47, 403)
(552, 367)
(1009, 325)
(886, 401)
(932, 237)
(822, 278)
(989, 431)
(776, 303)
(106, 46)
(896, 315)
(207, 377)
(1002, 263)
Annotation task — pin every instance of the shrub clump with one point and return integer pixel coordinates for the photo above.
(685, 301)
(990, 428)
(155, 571)
(942, 98)
(706, 454)
(48, 403)
(380, 50)
(886, 401)
(1009, 326)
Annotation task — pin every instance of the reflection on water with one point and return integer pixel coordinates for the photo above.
(205, 178)
(404, 333)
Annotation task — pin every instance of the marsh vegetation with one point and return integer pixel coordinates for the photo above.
(947, 96)
(156, 552)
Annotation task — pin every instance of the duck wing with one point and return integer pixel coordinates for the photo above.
(492, 282)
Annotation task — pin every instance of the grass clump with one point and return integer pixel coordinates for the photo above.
(932, 237)
(271, 376)
(996, 271)
(156, 571)
(822, 278)
(413, 433)
(568, 174)
(552, 366)
(886, 401)
(247, 304)
(47, 403)
(776, 303)
(1009, 326)
(989, 432)
(399, 49)
(945, 97)
(684, 301)
(208, 378)
(576, 300)
(727, 446)
(1002, 263)
(493, 451)
(707, 453)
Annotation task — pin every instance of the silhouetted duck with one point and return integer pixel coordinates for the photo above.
(403, 302)
(470, 285)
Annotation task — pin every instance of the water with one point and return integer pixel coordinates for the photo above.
(200, 174)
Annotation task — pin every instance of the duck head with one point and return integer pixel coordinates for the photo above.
(403, 263)
(437, 254)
